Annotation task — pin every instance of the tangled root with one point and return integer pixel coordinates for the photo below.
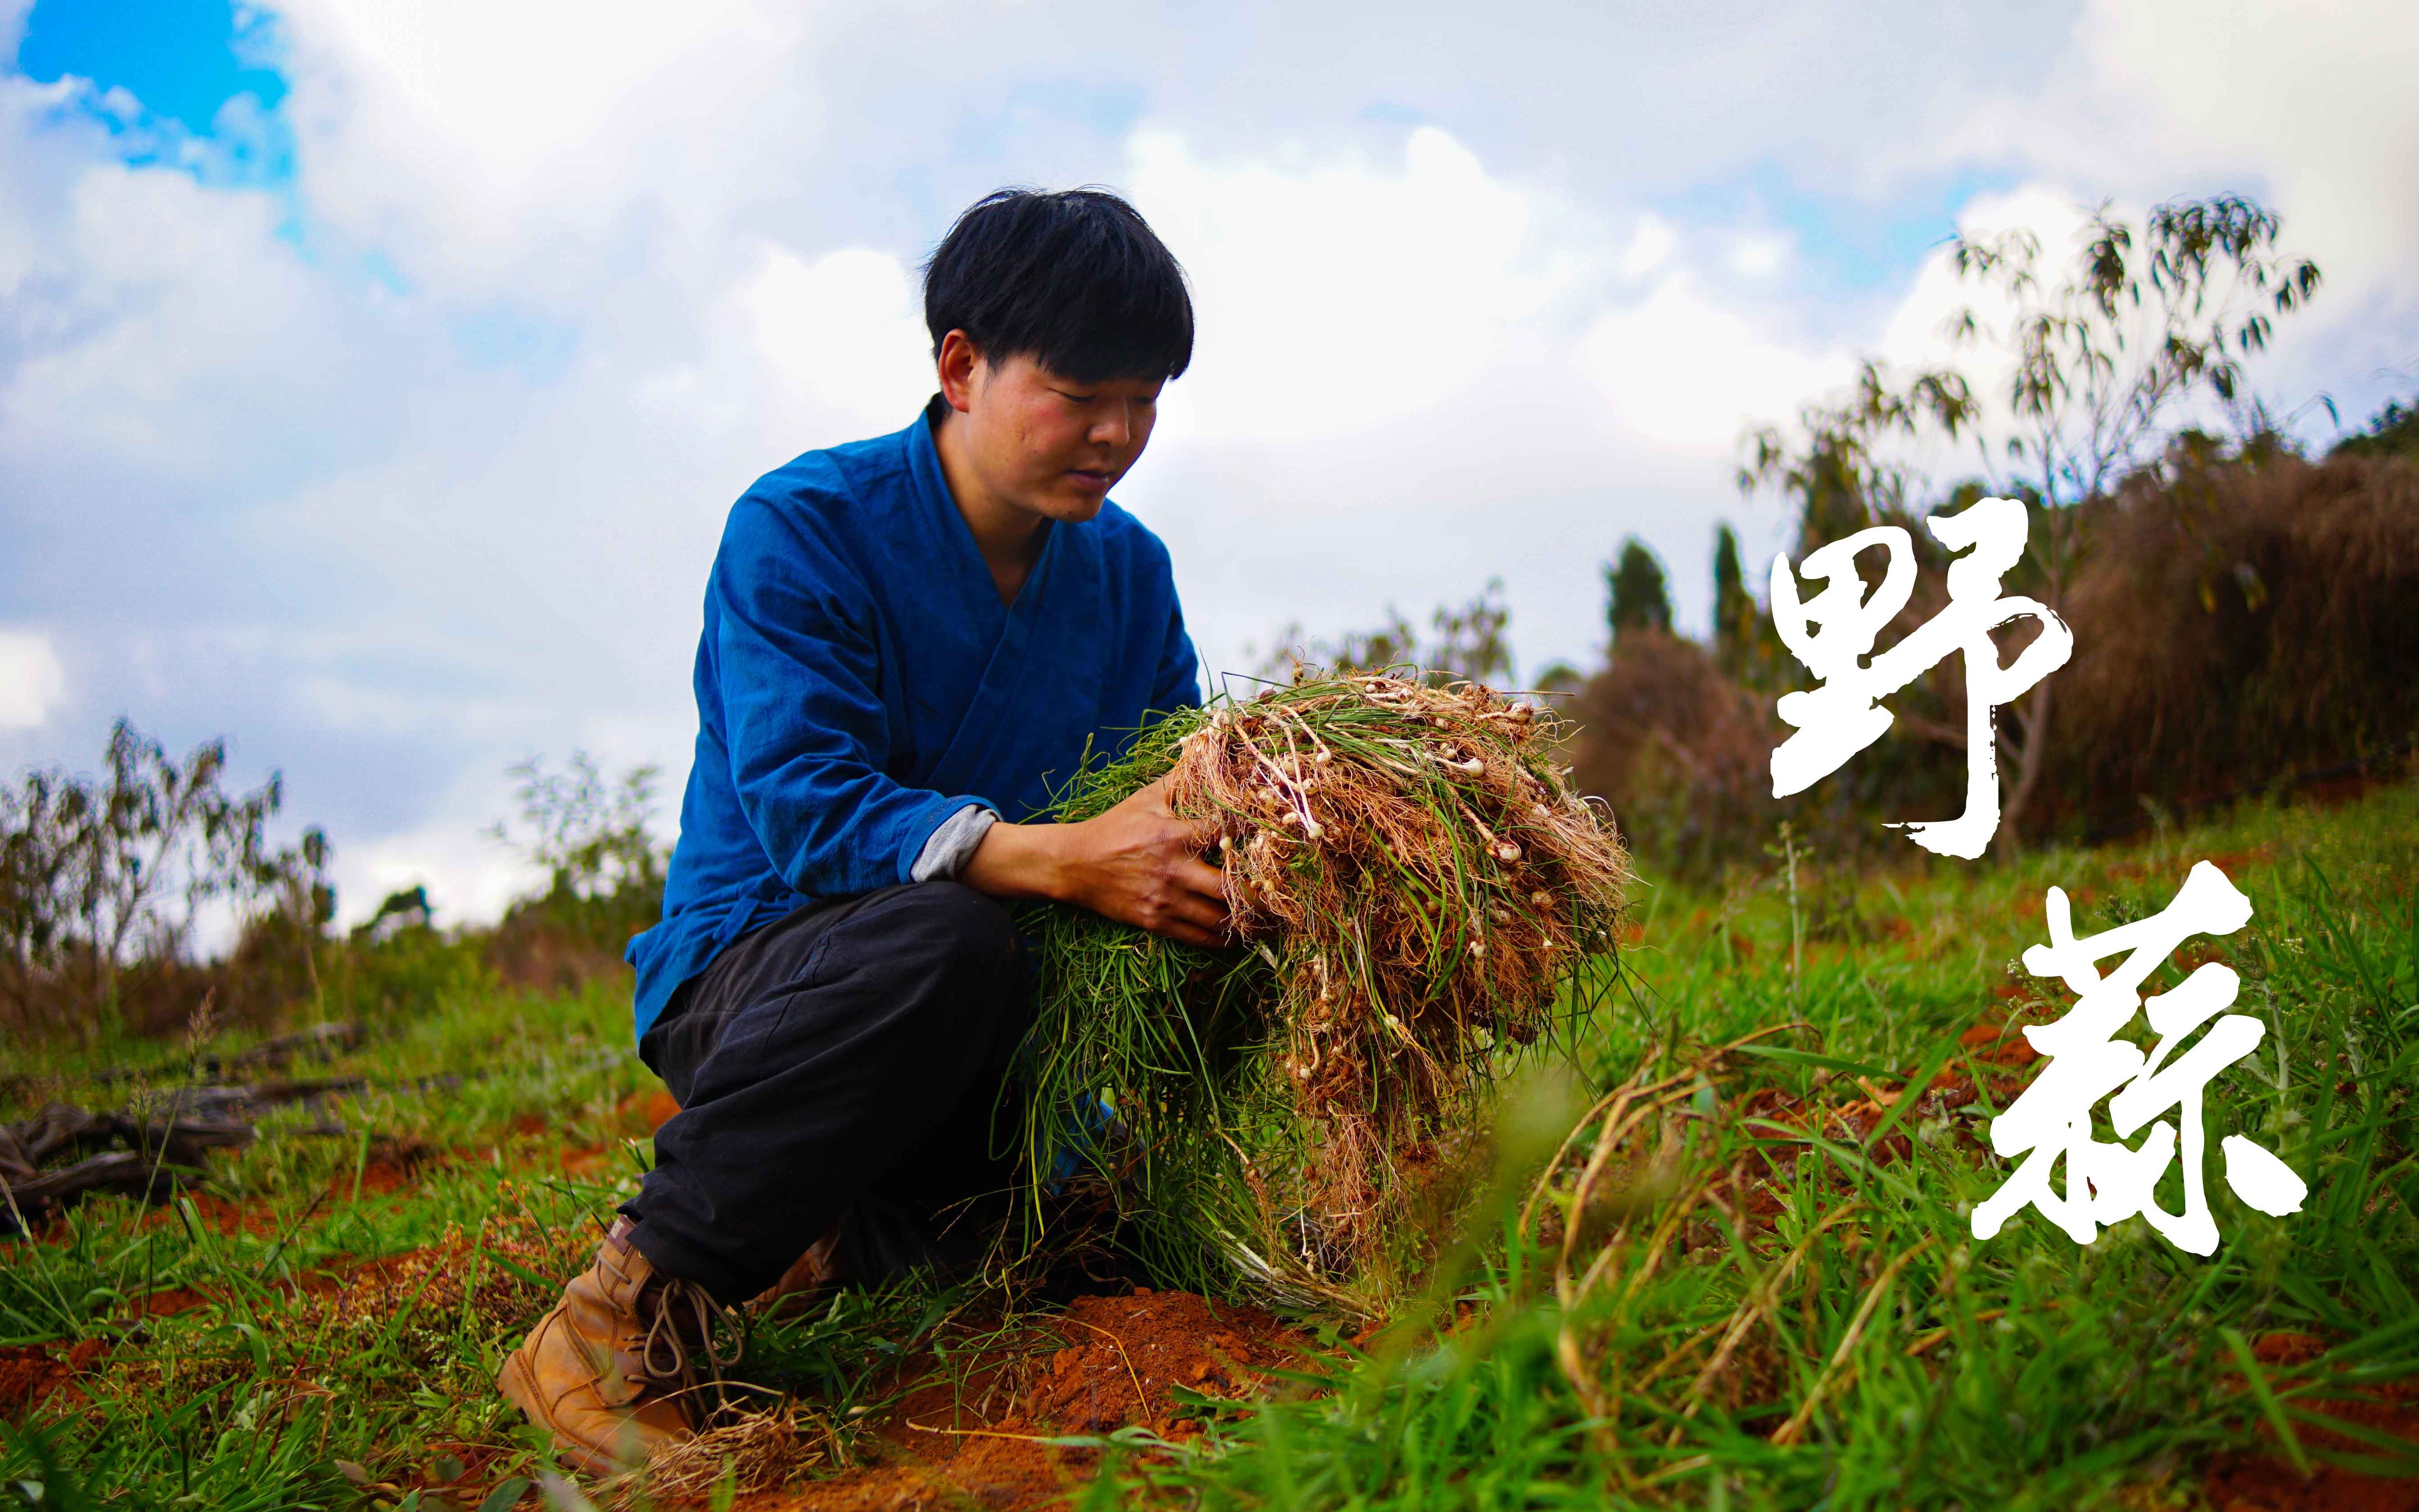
(760, 1451)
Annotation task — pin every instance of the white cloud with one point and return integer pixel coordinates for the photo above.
(32, 682)
(2052, 215)
(1685, 370)
(180, 323)
(1415, 375)
(2307, 108)
(1650, 247)
(1340, 293)
(1759, 255)
(2313, 107)
(464, 139)
(514, 91)
(2317, 99)
(469, 875)
(845, 332)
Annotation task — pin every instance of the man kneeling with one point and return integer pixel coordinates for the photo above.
(906, 642)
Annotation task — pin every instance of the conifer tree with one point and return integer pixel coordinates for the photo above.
(1734, 607)
(1640, 599)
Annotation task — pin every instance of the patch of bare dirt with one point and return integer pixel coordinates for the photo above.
(1122, 1362)
(2267, 1482)
(167, 1302)
(30, 1373)
(228, 1217)
(389, 1165)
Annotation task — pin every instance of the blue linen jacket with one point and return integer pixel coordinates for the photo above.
(858, 681)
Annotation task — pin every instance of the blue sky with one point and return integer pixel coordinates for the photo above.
(183, 59)
(373, 379)
(181, 63)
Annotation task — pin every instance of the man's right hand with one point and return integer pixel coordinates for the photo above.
(1137, 863)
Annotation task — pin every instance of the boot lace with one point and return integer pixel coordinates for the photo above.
(669, 1353)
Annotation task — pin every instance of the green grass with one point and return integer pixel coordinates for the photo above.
(1943, 1371)
(2051, 1375)
(250, 1399)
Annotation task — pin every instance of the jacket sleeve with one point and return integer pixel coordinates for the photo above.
(800, 670)
(1177, 684)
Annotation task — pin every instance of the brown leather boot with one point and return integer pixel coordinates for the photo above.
(614, 1371)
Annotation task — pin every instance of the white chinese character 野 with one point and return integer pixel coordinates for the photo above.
(2105, 1182)
(1833, 632)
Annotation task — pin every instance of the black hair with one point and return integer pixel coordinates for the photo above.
(1074, 279)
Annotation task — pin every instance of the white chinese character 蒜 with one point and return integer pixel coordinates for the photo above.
(2105, 1182)
(1833, 632)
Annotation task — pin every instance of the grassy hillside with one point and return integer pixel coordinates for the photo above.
(1769, 1296)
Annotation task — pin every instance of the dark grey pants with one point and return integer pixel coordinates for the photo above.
(842, 1064)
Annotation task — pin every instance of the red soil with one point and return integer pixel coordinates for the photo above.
(2001, 1044)
(388, 1174)
(1122, 1361)
(166, 1304)
(2269, 1483)
(654, 1108)
(29, 1373)
(2233, 863)
(228, 1218)
(340, 1270)
(589, 1161)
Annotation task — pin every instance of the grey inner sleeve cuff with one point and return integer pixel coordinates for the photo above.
(953, 845)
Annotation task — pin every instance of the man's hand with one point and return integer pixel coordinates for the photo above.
(1137, 863)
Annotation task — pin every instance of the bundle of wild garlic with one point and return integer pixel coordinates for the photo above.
(1415, 882)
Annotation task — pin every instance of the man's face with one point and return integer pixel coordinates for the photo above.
(1041, 441)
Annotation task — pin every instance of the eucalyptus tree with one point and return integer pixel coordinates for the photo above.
(2095, 365)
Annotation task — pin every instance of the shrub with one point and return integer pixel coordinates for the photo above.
(104, 880)
(1679, 751)
(605, 874)
(2237, 622)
